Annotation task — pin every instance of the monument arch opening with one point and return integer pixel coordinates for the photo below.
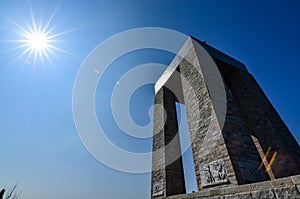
(234, 129)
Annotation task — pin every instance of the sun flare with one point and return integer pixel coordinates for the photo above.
(38, 43)
(37, 39)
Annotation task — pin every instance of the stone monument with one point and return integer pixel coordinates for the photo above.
(240, 145)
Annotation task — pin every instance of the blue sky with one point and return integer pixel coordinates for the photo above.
(40, 147)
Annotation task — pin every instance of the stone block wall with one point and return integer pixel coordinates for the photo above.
(266, 125)
(284, 188)
(206, 136)
(167, 174)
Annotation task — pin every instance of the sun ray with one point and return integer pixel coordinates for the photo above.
(59, 49)
(62, 33)
(20, 55)
(51, 18)
(32, 19)
(17, 25)
(47, 56)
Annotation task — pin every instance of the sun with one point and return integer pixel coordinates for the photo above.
(38, 41)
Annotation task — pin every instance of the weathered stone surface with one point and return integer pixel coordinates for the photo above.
(298, 187)
(287, 192)
(265, 194)
(296, 179)
(283, 182)
(238, 196)
(215, 197)
(158, 188)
